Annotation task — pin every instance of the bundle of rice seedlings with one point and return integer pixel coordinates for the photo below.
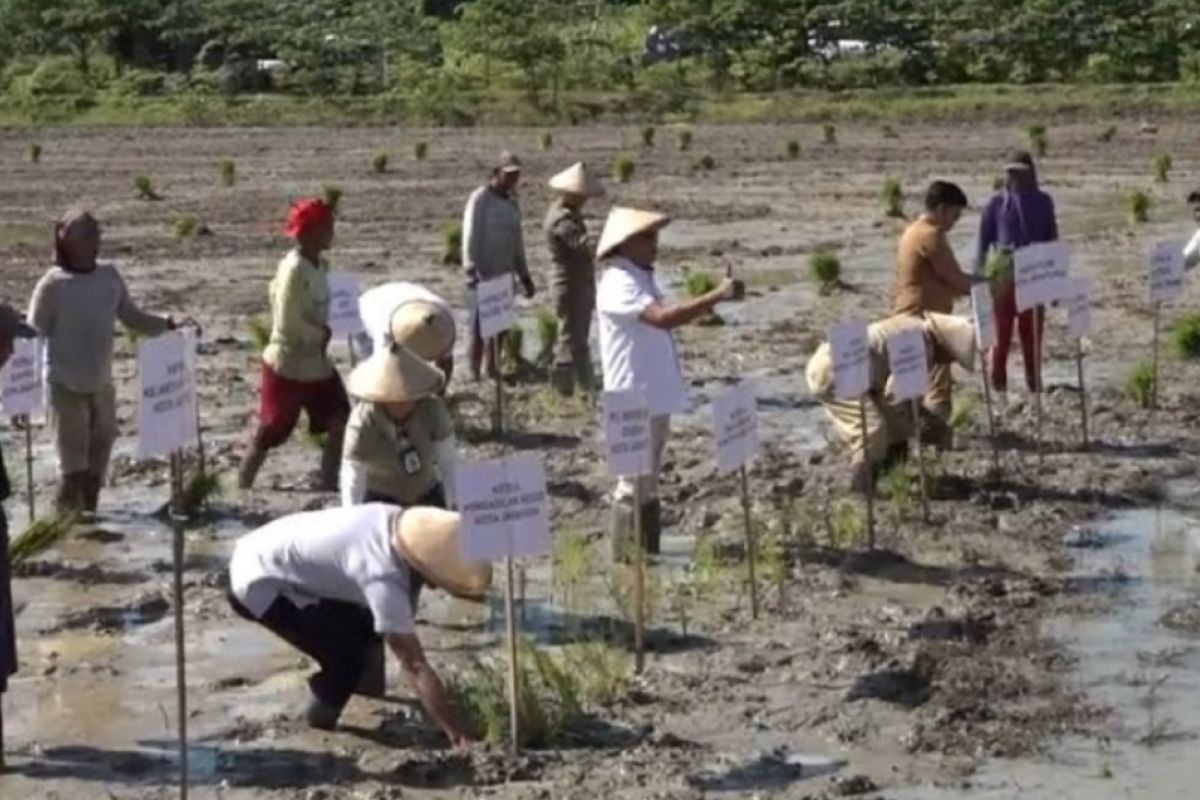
(41, 535)
(1138, 203)
(144, 187)
(623, 169)
(791, 149)
(452, 242)
(1186, 336)
(228, 171)
(1109, 134)
(35, 152)
(379, 162)
(186, 226)
(332, 195)
(1037, 138)
(1139, 384)
(1162, 167)
(545, 140)
(684, 138)
(999, 269)
(199, 489)
(892, 195)
(706, 163)
(826, 269)
(829, 133)
(420, 150)
(547, 333)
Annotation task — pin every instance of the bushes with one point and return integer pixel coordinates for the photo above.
(1186, 336)
(826, 269)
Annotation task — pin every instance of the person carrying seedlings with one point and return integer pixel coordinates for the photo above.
(948, 339)
(411, 315)
(1191, 253)
(637, 350)
(493, 245)
(11, 327)
(297, 373)
(929, 279)
(75, 307)
(1018, 215)
(573, 278)
(400, 445)
(338, 584)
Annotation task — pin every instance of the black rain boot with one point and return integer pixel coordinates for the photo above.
(373, 682)
(652, 527)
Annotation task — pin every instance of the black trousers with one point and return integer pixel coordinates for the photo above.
(339, 636)
(8, 630)
(435, 498)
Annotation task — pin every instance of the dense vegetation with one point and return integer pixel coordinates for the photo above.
(442, 60)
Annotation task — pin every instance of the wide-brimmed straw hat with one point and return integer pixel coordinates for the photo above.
(956, 335)
(430, 541)
(424, 327)
(396, 375)
(577, 179)
(625, 223)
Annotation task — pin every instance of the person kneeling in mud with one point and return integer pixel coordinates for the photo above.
(948, 339)
(337, 583)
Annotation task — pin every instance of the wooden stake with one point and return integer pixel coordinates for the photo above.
(29, 489)
(1154, 359)
(510, 621)
(869, 489)
(498, 408)
(991, 411)
(916, 416)
(180, 663)
(1037, 371)
(639, 581)
(1083, 403)
(751, 544)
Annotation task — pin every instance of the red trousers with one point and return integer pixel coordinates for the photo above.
(283, 399)
(1006, 315)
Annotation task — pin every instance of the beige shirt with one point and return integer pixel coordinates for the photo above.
(299, 318)
(75, 313)
(400, 458)
(493, 244)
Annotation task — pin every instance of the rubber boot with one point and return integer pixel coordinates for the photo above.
(373, 682)
(71, 497)
(252, 462)
(620, 532)
(321, 716)
(331, 460)
(90, 484)
(652, 527)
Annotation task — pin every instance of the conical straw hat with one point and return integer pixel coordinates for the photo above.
(394, 376)
(425, 328)
(577, 179)
(625, 223)
(430, 541)
(956, 335)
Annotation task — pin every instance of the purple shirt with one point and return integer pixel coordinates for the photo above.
(1014, 219)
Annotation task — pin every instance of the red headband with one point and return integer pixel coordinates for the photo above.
(305, 215)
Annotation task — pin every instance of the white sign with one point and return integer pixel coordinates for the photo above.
(344, 319)
(494, 305)
(908, 362)
(851, 359)
(1041, 272)
(1166, 272)
(1079, 315)
(627, 432)
(984, 314)
(735, 422)
(167, 400)
(21, 386)
(503, 505)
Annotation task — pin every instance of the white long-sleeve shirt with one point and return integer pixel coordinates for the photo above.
(1191, 253)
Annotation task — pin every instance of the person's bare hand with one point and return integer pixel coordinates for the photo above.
(731, 289)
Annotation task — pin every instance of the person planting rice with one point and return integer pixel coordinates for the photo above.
(335, 584)
(400, 444)
(637, 350)
(929, 279)
(1020, 214)
(297, 374)
(411, 315)
(573, 279)
(75, 307)
(493, 245)
(948, 339)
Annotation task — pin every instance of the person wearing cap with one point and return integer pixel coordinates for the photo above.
(949, 339)
(929, 279)
(573, 277)
(11, 327)
(1018, 215)
(337, 584)
(297, 373)
(75, 307)
(493, 245)
(409, 314)
(637, 351)
(400, 445)
(1191, 253)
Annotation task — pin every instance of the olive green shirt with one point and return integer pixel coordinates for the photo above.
(399, 458)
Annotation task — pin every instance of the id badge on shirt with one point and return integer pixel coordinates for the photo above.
(410, 459)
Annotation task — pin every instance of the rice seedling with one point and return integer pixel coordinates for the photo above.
(829, 133)
(452, 242)
(846, 524)
(545, 141)
(603, 671)
(420, 150)
(1037, 138)
(227, 169)
(379, 162)
(186, 226)
(1108, 135)
(706, 163)
(332, 195)
(999, 269)
(892, 195)
(800, 522)
(890, 133)
(1185, 335)
(512, 350)
(547, 333)
(623, 169)
(1162, 168)
(962, 412)
(648, 133)
(791, 149)
(201, 487)
(772, 558)
(684, 138)
(896, 486)
(143, 185)
(572, 560)
(826, 269)
(681, 596)
(619, 582)
(1138, 204)
(699, 282)
(707, 570)
(260, 331)
(1139, 384)
(35, 153)
(39, 536)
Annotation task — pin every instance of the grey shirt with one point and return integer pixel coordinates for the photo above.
(75, 313)
(493, 244)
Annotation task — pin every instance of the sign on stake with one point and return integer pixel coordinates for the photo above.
(983, 313)
(23, 393)
(849, 351)
(344, 316)
(495, 312)
(1167, 265)
(908, 362)
(735, 423)
(1041, 272)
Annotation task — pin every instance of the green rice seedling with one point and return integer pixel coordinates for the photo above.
(999, 269)
(619, 582)
(896, 486)
(846, 524)
(420, 150)
(699, 282)
(1138, 204)
(143, 185)
(623, 169)
(547, 333)
(186, 226)
(1162, 167)
(962, 413)
(829, 133)
(379, 162)
(707, 570)
(602, 672)
(545, 140)
(890, 133)
(452, 242)
(826, 269)
(332, 195)
(227, 169)
(1186, 336)
(1139, 384)
(572, 560)
(648, 133)
(1108, 135)
(791, 149)
(892, 195)
(201, 487)
(772, 558)
(684, 138)
(480, 696)
(260, 331)
(801, 524)
(1037, 138)
(681, 597)
(35, 153)
(706, 163)
(41, 535)
(512, 351)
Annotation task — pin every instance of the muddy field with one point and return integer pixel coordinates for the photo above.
(952, 662)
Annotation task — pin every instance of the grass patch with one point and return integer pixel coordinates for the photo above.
(1036, 133)
(648, 134)
(40, 535)
(186, 226)
(829, 134)
(143, 187)
(420, 150)
(892, 196)
(332, 195)
(260, 331)
(547, 334)
(791, 149)
(684, 138)
(623, 168)
(379, 162)
(452, 242)
(1139, 384)
(826, 269)
(35, 153)
(545, 141)
(1162, 168)
(1185, 335)
(1137, 206)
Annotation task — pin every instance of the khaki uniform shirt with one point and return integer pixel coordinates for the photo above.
(566, 234)
(299, 316)
(928, 277)
(399, 458)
